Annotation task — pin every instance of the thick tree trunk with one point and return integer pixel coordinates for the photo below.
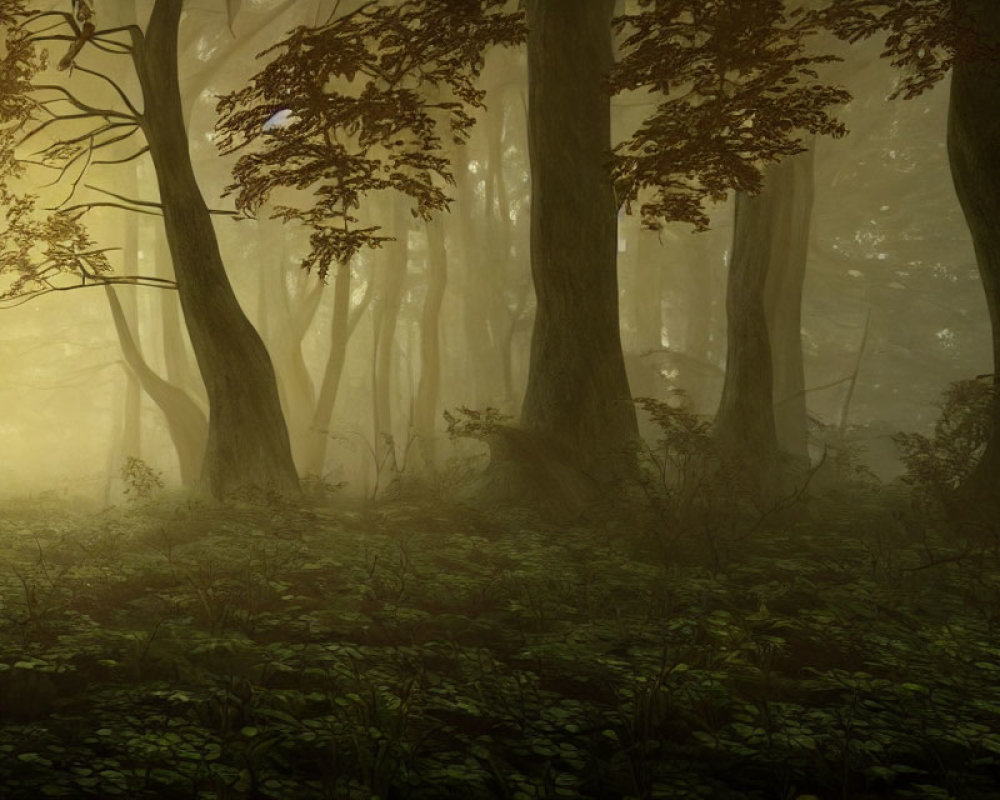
(744, 425)
(178, 367)
(247, 436)
(974, 152)
(789, 193)
(577, 391)
(186, 423)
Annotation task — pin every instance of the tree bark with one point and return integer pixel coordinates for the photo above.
(247, 436)
(789, 192)
(577, 392)
(744, 425)
(178, 367)
(974, 154)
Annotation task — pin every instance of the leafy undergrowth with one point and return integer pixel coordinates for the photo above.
(411, 651)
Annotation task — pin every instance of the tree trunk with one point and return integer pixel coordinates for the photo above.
(330, 385)
(577, 391)
(974, 153)
(647, 289)
(186, 423)
(429, 387)
(178, 367)
(289, 297)
(247, 436)
(393, 275)
(132, 422)
(789, 192)
(477, 383)
(744, 425)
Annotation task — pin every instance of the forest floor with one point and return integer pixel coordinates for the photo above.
(406, 649)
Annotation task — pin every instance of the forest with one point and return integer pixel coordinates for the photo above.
(520, 399)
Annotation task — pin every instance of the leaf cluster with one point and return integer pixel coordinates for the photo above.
(922, 37)
(697, 500)
(938, 465)
(366, 97)
(45, 250)
(739, 89)
(140, 479)
(39, 250)
(19, 64)
(473, 423)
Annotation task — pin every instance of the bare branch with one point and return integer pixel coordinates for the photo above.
(137, 154)
(73, 100)
(98, 204)
(76, 181)
(91, 134)
(114, 85)
(98, 280)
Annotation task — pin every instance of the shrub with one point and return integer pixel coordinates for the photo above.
(938, 465)
(140, 479)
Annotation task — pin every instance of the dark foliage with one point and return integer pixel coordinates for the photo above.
(414, 651)
(937, 466)
(366, 96)
(922, 37)
(740, 89)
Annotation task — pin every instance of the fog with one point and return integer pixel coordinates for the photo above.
(888, 245)
(474, 399)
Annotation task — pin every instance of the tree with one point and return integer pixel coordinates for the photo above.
(741, 91)
(247, 438)
(357, 107)
(974, 154)
(762, 411)
(926, 39)
(737, 88)
(577, 393)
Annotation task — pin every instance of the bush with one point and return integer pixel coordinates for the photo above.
(140, 479)
(937, 466)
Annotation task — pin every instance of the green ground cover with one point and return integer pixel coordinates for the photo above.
(412, 650)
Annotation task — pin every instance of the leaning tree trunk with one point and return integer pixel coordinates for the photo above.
(186, 423)
(577, 393)
(178, 368)
(342, 325)
(974, 153)
(247, 436)
(744, 425)
(789, 192)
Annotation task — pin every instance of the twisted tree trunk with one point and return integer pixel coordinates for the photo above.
(247, 436)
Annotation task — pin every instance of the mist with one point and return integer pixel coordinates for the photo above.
(570, 398)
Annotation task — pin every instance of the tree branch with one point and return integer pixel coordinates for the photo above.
(114, 85)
